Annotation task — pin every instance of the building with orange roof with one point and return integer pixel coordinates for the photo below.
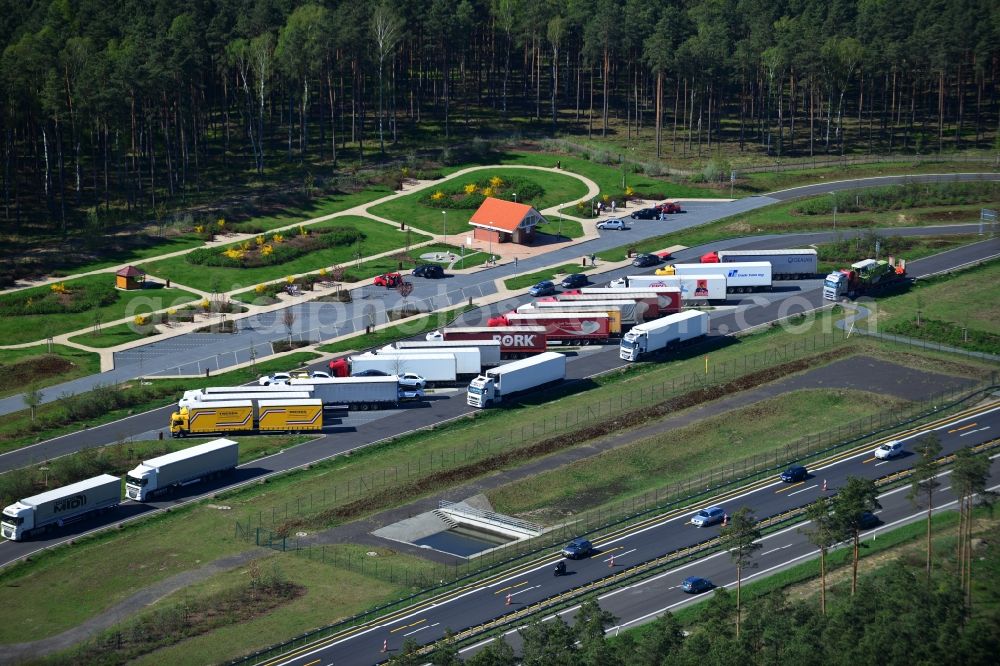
(501, 221)
(129, 277)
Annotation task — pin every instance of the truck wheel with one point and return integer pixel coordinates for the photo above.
(488, 404)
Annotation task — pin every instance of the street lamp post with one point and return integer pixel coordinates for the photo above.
(515, 196)
(445, 225)
(834, 195)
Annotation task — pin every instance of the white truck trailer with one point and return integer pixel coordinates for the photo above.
(181, 468)
(361, 393)
(195, 394)
(435, 368)
(657, 335)
(741, 277)
(489, 350)
(303, 393)
(785, 264)
(55, 508)
(694, 288)
(468, 360)
(502, 382)
(631, 312)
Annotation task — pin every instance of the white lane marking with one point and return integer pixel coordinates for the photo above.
(416, 630)
(969, 432)
(815, 485)
(527, 589)
(616, 555)
(775, 550)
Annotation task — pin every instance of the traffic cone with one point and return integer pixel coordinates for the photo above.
(725, 519)
(385, 646)
(508, 600)
(824, 485)
(611, 562)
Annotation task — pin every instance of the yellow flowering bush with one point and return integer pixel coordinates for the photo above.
(289, 279)
(267, 250)
(471, 188)
(205, 305)
(199, 228)
(221, 223)
(322, 272)
(487, 191)
(606, 198)
(437, 196)
(496, 182)
(59, 287)
(235, 253)
(278, 238)
(141, 320)
(259, 289)
(260, 240)
(629, 191)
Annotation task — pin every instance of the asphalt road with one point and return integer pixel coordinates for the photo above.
(359, 429)
(193, 353)
(650, 598)
(657, 536)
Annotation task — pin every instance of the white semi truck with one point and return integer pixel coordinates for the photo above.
(785, 264)
(181, 468)
(489, 350)
(55, 508)
(361, 393)
(694, 288)
(657, 335)
(500, 383)
(468, 360)
(200, 399)
(741, 277)
(435, 368)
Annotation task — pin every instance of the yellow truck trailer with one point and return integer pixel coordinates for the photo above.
(273, 415)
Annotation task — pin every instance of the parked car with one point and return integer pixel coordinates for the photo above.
(370, 373)
(388, 280)
(574, 280)
(794, 474)
(709, 516)
(434, 336)
(578, 548)
(889, 450)
(669, 207)
(696, 585)
(613, 224)
(319, 374)
(646, 214)
(645, 260)
(431, 271)
(868, 520)
(276, 378)
(543, 288)
(410, 394)
(411, 380)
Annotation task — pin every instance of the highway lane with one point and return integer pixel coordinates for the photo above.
(637, 604)
(350, 434)
(504, 593)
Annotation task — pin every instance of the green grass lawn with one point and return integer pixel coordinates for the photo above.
(608, 177)
(16, 429)
(154, 247)
(37, 367)
(379, 237)
(409, 210)
(669, 457)
(112, 336)
(322, 206)
(529, 279)
(25, 328)
(560, 227)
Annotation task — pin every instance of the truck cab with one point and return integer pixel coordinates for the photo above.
(835, 285)
(140, 483)
(481, 392)
(17, 520)
(632, 346)
(179, 424)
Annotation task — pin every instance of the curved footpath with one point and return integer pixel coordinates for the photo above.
(194, 353)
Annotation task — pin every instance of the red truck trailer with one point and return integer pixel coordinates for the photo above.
(657, 305)
(568, 327)
(515, 341)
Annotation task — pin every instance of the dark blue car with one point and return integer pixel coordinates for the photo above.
(696, 585)
(794, 474)
(578, 548)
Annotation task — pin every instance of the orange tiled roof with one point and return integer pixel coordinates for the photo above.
(500, 215)
(129, 271)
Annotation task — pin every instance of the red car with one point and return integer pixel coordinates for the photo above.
(389, 280)
(669, 207)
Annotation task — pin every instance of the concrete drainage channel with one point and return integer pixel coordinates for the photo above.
(465, 529)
